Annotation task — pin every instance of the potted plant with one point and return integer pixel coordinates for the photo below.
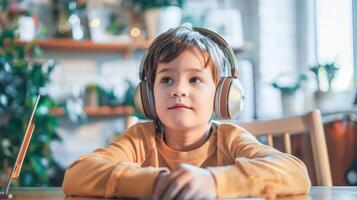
(21, 80)
(159, 15)
(325, 75)
(288, 88)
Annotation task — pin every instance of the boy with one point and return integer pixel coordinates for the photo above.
(183, 154)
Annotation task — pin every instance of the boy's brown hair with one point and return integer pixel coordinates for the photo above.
(170, 44)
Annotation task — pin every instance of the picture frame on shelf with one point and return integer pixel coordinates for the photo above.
(227, 23)
(108, 22)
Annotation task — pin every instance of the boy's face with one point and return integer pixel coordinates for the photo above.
(184, 91)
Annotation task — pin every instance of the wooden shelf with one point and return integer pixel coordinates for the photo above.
(67, 44)
(102, 111)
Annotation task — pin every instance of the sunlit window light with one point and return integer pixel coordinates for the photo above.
(335, 39)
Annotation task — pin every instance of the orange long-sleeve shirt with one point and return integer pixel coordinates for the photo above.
(241, 166)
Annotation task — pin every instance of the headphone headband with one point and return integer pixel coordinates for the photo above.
(216, 38)
(223, 45)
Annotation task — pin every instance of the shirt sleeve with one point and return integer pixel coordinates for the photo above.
(259, 170)
(113, 171)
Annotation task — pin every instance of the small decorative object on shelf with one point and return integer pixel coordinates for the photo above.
(91, 96)
(221, 20)
(72, 20)
(159, 15)
(108, 22)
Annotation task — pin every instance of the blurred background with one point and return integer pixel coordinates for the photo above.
(83, 56)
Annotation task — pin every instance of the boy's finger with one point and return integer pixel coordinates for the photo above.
(160, 184)
(187, 192)
(169, 179)
(163, 182)
(176, 185)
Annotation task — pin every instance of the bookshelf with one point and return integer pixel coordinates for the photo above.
(102, 111)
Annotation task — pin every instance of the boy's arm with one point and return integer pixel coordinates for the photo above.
(113, 171)
(259, 170)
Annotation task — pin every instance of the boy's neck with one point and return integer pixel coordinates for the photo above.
(186, 140)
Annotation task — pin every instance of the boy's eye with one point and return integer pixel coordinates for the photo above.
(195, 80)
(166, 80)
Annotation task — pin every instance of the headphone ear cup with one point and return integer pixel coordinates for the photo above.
(236, 98)
(144, 100)
(229, 98)
(138, 100)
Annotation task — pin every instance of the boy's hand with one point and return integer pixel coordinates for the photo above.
(186, 182)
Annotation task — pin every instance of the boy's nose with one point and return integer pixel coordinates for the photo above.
(178, 93)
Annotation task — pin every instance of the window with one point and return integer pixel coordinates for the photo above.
(334, 39)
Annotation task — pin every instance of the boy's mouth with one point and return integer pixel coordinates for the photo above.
(179, 106)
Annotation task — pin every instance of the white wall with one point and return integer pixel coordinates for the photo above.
(278, 50)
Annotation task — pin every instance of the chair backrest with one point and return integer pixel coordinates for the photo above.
(310, 123)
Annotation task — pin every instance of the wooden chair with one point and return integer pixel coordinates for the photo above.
(310, 123)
